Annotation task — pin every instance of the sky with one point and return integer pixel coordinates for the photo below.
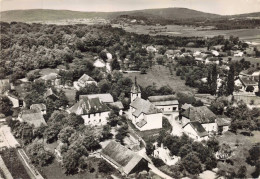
(223, 7)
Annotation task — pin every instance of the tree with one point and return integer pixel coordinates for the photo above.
(115, 65)
(242, 172)
(213, 144)
(185, 150)
(214, 80)
(192, 164)
(149, 147)
(106, 133)
(105, 167)
(230, 80)
(65, 134)
(5, 105)
(39, 155)
(211, 163)
(254, 155)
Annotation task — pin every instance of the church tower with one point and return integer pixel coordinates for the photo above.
(135, 91)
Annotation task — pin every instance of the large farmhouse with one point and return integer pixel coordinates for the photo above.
(195, 131)
(93, 111)
(123, 159)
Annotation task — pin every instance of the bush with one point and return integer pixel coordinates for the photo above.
(157, 162)
(105, 167)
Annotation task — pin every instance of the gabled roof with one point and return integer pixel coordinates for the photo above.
(121, 156)
(117, 104)
(104, 97)
(39, 107)
(198, 128)
(143, 106)
(223, 121)
(88, 106)
(50, 92)
(32, 117)
(84, 78)
(164, 100)
(202, 114)
(247, 81)
(99, 63)
(186, 106)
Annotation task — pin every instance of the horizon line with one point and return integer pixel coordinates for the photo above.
(125, 10)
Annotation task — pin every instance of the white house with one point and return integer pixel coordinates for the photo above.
(195, 131)
(93, 111)
(16, 100)
(215, 53)
(151, 49)
(83, 81)
(238, 54)
(166, 103)
(201, 114)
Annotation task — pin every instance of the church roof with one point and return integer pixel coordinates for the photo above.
(143, 106)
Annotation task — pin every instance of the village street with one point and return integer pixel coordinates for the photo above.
(176, 126)
(6, 137)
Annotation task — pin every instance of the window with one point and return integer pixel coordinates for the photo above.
(99, 120)
(174, 108)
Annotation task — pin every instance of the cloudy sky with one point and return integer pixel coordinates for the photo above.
(225, 7)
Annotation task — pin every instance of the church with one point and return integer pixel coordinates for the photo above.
(144, 114)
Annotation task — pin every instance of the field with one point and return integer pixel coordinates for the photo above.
(160, 75)
(251, 35)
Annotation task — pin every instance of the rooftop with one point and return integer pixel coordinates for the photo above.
(84, 78)
(143, 106)
(89, 106)
(120, 156)
(201, 114)
(32, 117)
(104, 97)
(198, 128)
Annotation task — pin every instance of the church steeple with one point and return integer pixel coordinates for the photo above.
(135, 91)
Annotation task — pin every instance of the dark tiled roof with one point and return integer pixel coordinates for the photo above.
(202, 114)
(162, 98)
(247, 81)
(120, 156)
(198, 128)
(117, 104)
(141, 123)
(89, 106)
(223, 121)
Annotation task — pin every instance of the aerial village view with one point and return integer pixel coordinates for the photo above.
(129, 90)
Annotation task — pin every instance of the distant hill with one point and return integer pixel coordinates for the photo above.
(163, 13)
(50, 15)
(46, 15)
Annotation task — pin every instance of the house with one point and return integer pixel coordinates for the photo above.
(83, 81)
(223, 124)
(16, 100)
(144, 114)
(50, 93)
(99, 63)
(40, 107)
(123, 159)
(250, 84)
(215, 53)
(201, 114)
(195, 131)
(238, 54)
(52, 78)
(92, 110)
(32, 117)
(166, 103)
(151, 49)
(4, 85)
(104, 97)
(107, 99)
(164, 154)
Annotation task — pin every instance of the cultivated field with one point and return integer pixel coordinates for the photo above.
(251, 35)
(160, 75)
